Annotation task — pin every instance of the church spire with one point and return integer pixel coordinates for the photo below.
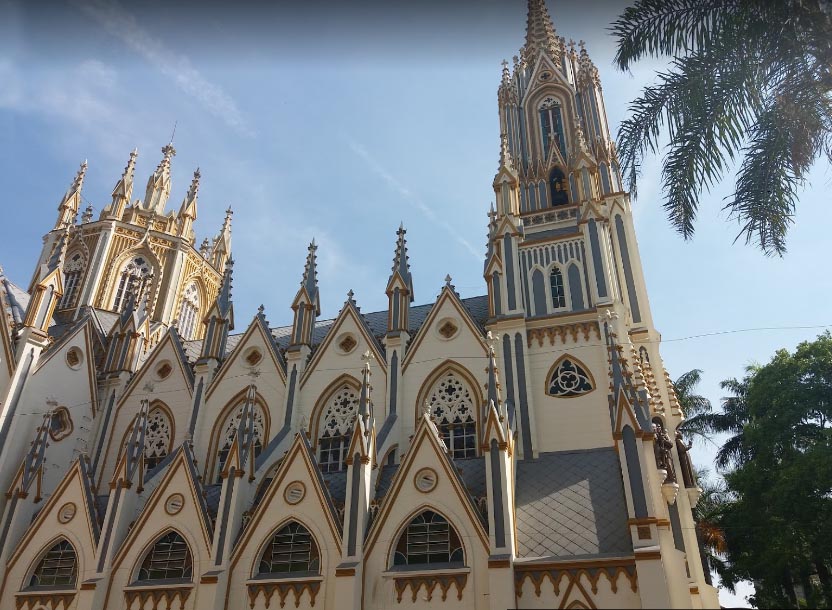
(123, 190)
(400, 285)
(220, 318)
(307, 303)
(187, 211)
(365, 404)
(158, 185)
(222, 242)
(71, 201)
(540, 34)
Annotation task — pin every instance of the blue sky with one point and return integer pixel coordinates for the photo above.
(338, 123)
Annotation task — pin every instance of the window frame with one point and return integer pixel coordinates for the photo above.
(42, 558)
(188, 562)
(314, 554)
(402, 539)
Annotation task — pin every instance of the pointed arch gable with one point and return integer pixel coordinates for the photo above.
(255, 328)
(300, 451)
(447, 295)
(425, 439)
(148, 366)
(221, 420)
(450, 366)
(348, 312)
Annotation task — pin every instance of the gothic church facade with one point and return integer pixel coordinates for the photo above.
(512, 450)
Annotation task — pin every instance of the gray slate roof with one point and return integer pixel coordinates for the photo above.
(570, 504)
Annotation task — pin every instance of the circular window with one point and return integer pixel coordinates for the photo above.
(447, 328)
(346, 343)
(294, 493)
(174, 503)
(74, 358)
(253, 356)
(163, 370)
(425, 480)
(66, 512)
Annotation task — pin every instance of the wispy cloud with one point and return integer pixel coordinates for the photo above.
(123, 25)
(410, 196)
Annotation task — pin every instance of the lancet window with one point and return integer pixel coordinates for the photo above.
(229, 428)
(189, 311)
(551, 126)
(452, 407)
(291, 550)
(73, 271)
(58, 568)
(428, 539)
(336, 425)
(569, 378)
(135, 279)
(557, 288)
(169, 559)
(157, 438)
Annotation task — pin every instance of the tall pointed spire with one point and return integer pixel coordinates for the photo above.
(365, 404)
(71, 201)
(158, 185)
(224, 296)
(222, 242)
(401, 261)
(123, 190)
(399, 286)
(493, 387)
(220, 318)
(540, 34)
(307, 303)
(187, 211)
(310, 275)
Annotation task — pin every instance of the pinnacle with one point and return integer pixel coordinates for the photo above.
(540, 33)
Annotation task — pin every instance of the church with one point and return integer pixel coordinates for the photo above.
(160, 451)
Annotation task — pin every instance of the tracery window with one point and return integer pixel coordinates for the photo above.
(551, 126)
(189, 311)
(337, 424)
(569, 378)
(169, 559)
(291, 550)
(73, 270)
(558, 291)
(135, 279)
(58, 568)
(229, 428)
(428, 539)
(157, 438)
(452, 408)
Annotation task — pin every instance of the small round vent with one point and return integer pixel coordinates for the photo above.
(66, 513)
(294, 492)
(174, 503)
(425, 480)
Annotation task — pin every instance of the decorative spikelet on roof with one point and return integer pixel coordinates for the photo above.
(158, 185)
(123, 190)
(587, 72)
(401, 261)
(71, 201)
(222, 242)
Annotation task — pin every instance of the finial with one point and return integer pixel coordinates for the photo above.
(148, 388)
(505, 155)
(540, 33)
(87, 216)
(261, 310)
(426, 408)
(204, 248)
(367, 357)
(448, 280)
(350, 295)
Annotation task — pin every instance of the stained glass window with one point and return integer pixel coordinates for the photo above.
(58, 568)
(452, 408)
(551, 126)
(291, 550)
(428, 539)
(558, 291)
(157, 438)
(189, 311)
(569, 379)
(169, 559)
(336, 425)
(135, 279)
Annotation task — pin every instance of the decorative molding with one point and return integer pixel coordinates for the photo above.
(592, 570)
(283, 587)
(430, 581)
(30, 600)
(563, 331)
(156, 595)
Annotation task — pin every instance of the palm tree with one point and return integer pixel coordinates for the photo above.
(748, 79)
(707, 515)
(732, 419)
(697, 408)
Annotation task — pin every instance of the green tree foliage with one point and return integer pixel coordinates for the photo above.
(778, 524)
(748, 81)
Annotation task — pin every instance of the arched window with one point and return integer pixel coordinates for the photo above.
(189, 311)
(337, 423)
(229, 428)
(452, 408)
(73, 270)
(428, 539)
(169, 559)
(568, 378)
(558, 291)
(157, 438)
(558, 187)
(135, 279)
(551, 126)
(58, 568)
(291, 550)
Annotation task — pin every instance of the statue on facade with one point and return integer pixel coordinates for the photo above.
(688, 475)
(663, 447)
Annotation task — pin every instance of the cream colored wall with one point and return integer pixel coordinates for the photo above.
(571, 589)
